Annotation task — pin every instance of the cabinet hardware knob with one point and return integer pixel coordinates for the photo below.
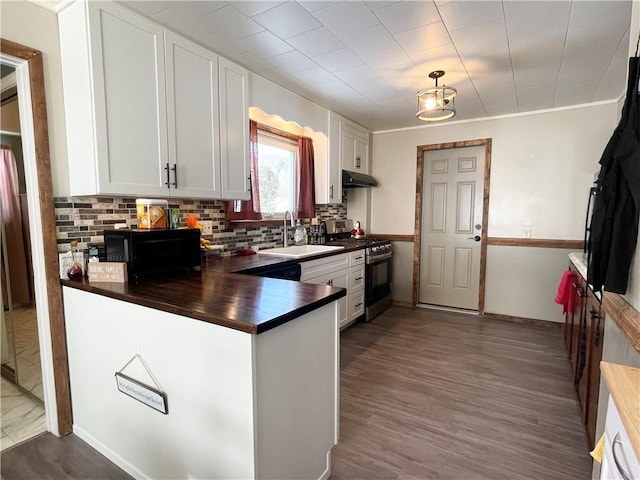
(175, 175)
(358, 305)
(358, 162)
(358, 278)
(168, 182)
(331, 192)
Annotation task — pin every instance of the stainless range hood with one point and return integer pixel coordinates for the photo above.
(357, 179)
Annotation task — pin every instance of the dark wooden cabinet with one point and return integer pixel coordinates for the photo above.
(595, 318)
(583, 337)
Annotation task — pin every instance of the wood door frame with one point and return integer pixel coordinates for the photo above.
(417, 244)
(47, 218)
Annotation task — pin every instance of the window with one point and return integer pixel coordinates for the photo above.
(277, 163)
(282, 177)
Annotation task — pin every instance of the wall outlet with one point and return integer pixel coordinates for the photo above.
(208, 227)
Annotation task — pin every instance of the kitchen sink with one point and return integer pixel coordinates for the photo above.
(299, 251)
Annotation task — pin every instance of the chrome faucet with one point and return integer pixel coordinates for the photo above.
(285, 234)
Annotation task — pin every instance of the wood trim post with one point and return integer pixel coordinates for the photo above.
(52, 280)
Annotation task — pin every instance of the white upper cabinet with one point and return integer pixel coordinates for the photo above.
(192, 119)
(149, 113)
(328, 175)
(115, 104)
(234, 131)
(355, 148)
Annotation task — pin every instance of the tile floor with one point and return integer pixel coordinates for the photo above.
(22, 417)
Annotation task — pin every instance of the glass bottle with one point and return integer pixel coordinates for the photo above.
(75, 271)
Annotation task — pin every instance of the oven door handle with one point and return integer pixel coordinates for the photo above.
(379, 258)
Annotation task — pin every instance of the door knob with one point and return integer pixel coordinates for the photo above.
(477, 238)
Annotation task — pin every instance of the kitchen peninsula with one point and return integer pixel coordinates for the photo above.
(249, 366)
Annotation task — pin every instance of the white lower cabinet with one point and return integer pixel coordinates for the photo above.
(346, 270)
(619, 461)
(338, 279)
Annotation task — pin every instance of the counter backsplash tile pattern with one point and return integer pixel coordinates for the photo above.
(85, 218)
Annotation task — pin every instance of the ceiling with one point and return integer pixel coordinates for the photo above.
(366, 60)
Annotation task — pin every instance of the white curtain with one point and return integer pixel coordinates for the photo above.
(11, 218)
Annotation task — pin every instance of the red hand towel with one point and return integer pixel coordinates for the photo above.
(565, 292)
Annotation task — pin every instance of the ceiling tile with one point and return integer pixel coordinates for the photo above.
(346, 17)
(230, 23)
(532, 99)
(292, 62)
(479, 35)
(286, 20)
(251, 8)
(222, 46)
(356, 74)
(338, 60)
(189, 18)
(521, 13)
(146, 8)
(464, 14)
(368, 40)
(402, 16)
(388, 57)
(604, 11)
(264, 44)
(315, 5)
(315, 42)
(428, 36)
(574, 94)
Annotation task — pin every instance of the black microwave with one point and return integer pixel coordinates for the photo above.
(149, 253)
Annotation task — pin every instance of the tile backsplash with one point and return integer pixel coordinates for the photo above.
(85, 218)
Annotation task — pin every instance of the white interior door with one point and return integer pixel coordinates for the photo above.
(453, 184)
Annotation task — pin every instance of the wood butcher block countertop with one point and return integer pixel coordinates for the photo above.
(624, 387)
(222, 295)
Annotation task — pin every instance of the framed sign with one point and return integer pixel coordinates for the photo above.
(153, 397)
(107, 272)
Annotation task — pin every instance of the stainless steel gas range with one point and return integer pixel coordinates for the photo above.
(378, 262)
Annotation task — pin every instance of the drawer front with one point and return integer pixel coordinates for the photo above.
(356, 258)
(356, 304)
(323, 266)
(356, 278)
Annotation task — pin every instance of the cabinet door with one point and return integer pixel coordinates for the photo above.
(361, 161)
(348, 149)
(577, 322)
(335, 171)
(595, 316)
(328, 170)
(356, 305)
(234, 131)
(192, 118)
(336, 279)
(127, 57)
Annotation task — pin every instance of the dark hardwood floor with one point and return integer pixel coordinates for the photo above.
(431, 394)
(424, 394)
(48, 457)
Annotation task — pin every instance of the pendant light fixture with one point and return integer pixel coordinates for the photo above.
(436, 103)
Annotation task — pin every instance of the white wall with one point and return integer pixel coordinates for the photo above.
(541, 168)
(36, 27)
